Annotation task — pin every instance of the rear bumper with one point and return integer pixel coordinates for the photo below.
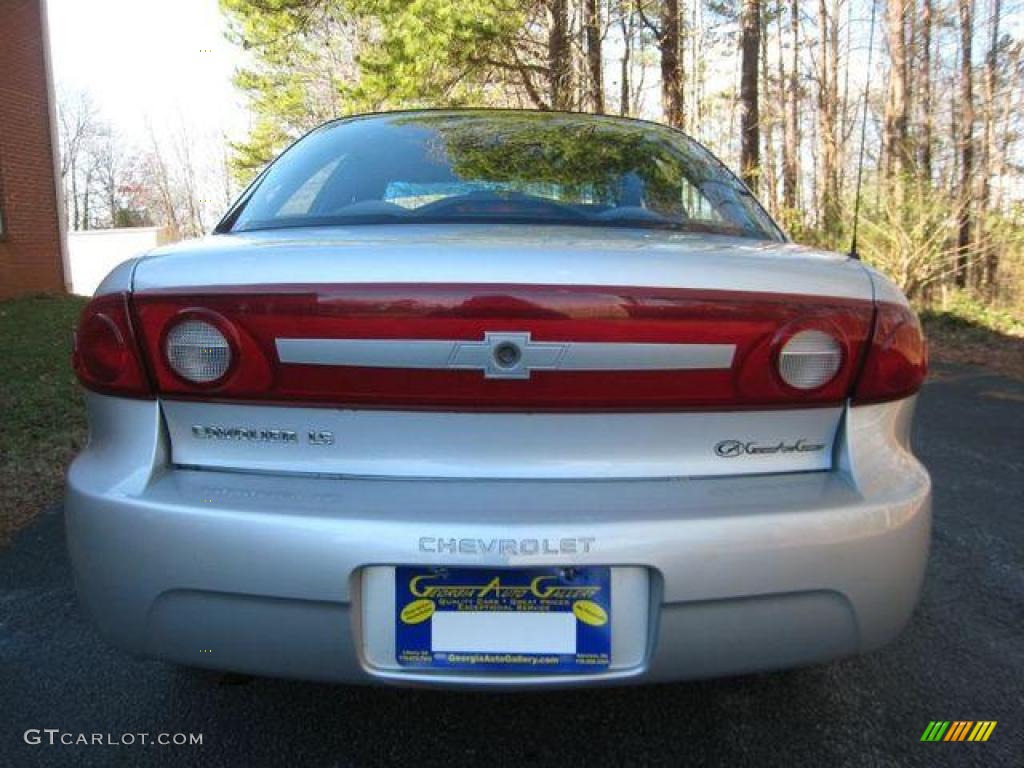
(286, 576)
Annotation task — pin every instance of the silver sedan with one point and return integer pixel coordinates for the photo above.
(498, 399)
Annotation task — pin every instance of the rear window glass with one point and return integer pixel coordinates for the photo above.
(502, 167)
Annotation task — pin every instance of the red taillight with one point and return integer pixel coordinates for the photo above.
(106, 356)
(897, 360)
(756, 327)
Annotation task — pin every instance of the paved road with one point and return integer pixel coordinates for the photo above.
(962, 658)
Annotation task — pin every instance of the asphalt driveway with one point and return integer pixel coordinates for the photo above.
(961, 659)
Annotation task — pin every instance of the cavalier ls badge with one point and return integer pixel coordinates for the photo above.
(261, 435)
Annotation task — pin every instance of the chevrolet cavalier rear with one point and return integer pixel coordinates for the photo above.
(498, 399)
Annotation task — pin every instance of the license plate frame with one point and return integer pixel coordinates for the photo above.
(566, 629)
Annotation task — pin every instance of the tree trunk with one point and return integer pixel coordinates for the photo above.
(988, 146)
(924, 152)
(966, 8)
(790, 158)
(559, 55)
(750, 45)
(828, 102)
(896, 160)
(671, 65)
(844, 128)
(111, 182)
(1006, 133)
(770, 192)
(626, 22)
(695, 72)
(593, 33)
(86, 217)
(639, 76)
(910, 48)
(76, 221)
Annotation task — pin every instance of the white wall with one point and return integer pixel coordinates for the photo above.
(93, 253)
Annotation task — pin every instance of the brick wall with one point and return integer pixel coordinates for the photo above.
(30, 245)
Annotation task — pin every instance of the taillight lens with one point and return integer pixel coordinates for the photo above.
(810, 359)
(197, 351)
(106, 356)
(897, 360)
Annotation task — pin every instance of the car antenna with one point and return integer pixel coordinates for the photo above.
(863, 133)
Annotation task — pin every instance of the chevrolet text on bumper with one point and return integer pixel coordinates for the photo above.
(481, 411)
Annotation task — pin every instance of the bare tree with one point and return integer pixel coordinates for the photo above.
(188, 195)
(108, 164)
(160, 185)
(77, 119)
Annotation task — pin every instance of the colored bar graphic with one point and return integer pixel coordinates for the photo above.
(935, 730)
(982, 730)
(958, 730)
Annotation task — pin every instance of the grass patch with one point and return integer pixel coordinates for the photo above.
(963, 313)
(41, 406)
(972, 333)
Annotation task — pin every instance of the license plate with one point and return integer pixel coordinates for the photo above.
(510, 620)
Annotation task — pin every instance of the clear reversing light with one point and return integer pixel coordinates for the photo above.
(197, 351)
(810, 359)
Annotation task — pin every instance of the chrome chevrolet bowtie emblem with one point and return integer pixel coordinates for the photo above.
(507, 355)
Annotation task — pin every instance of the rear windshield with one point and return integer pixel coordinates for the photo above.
(503, 167)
